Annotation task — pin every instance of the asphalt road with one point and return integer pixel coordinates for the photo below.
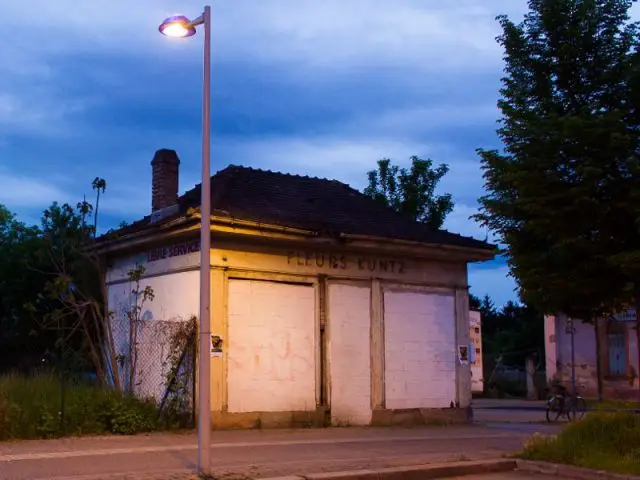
(504, 476)
(501, 427)
(255, 453)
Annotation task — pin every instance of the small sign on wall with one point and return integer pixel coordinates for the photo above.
(463, 354)
(216, 346)
(472, 353)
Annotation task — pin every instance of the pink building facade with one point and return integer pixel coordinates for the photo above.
(618, 354)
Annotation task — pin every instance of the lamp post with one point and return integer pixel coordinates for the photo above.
(180, 26)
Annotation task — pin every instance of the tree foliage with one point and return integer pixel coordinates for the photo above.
(22, 278)
(53, 297)
(562, 193)
(513, 332)
(411, 191)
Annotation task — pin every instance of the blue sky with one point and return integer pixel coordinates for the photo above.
(301, 86)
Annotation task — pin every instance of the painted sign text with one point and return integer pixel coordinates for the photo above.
(342, 262)
(176, 250)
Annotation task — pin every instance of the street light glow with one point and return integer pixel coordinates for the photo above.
(177, 26)
(180, 26)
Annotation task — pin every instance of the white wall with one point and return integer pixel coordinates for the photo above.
(585, 351)
(176, 299)
(272, 347)
(550, 347)
(350, 353)
(420, 350)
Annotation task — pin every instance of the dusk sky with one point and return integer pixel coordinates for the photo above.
(322, 88)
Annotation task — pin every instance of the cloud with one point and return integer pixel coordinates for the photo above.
(24, 192)
(414, 120)
(337, 157)
(29, 195)
(494, 282)
(338, 35)
(42, 114)
(458, 221)
(332, 34)
(300, 86)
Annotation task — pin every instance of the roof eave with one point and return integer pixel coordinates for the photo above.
(219, 224)
(469, 254)
(166, 230)
(247, 228)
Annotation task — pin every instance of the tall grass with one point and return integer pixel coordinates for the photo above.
(603, 441)
(32, 407)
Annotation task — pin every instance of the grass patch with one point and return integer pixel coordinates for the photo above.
(30, 407)
(602, 441)
(613, 404)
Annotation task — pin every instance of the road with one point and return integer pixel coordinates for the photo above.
(504, 476)
(260, 453)
(511, 411)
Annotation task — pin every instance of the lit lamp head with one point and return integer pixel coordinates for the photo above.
(177, 26)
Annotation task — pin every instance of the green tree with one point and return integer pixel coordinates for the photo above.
(559, 187)
(77, 286)
(474, 302)
(411, 191)
(22, 279)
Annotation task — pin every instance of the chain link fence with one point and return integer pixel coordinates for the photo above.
(59, 387)
(506, 374)
(157, 360)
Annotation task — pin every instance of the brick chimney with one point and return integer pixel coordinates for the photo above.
(164, 179)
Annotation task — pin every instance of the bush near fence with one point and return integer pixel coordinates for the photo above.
(65, 398)
(30, 407)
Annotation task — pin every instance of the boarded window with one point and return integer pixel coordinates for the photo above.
(617, 354)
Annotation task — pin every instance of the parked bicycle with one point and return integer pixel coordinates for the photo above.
(559, 404)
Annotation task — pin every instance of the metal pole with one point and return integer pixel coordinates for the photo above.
(573, 357)
(204, 366)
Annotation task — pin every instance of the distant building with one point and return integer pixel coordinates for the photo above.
(618, 353)
(475, 337)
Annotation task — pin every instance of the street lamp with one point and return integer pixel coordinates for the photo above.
(180, 26)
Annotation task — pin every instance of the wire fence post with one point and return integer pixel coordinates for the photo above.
(573, 355)
(194, 374)
(61, 374)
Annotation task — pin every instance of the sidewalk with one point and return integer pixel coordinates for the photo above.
(508, 404)
(508, 411)
(251, 454)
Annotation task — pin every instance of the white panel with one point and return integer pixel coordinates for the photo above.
(271, 358)
(420, 350)
(176, 299)
(350, 354)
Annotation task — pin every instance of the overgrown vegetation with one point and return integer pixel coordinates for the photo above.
(64, 370)
(604, 441)
(613, 404)
(45, 404)
(30, 408)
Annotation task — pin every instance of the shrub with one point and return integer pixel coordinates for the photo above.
(604, 441)
(30, 407)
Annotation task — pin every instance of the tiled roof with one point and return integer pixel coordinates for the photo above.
(325, 206)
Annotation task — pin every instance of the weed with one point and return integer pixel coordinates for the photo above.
(30, 407)
(603, 441)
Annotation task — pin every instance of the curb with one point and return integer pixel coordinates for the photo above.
(419, 472)
(569, 471)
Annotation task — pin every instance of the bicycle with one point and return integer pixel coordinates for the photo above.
(559, 404)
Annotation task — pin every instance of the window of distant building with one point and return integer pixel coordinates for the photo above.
(617, 346)
(616, 354)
